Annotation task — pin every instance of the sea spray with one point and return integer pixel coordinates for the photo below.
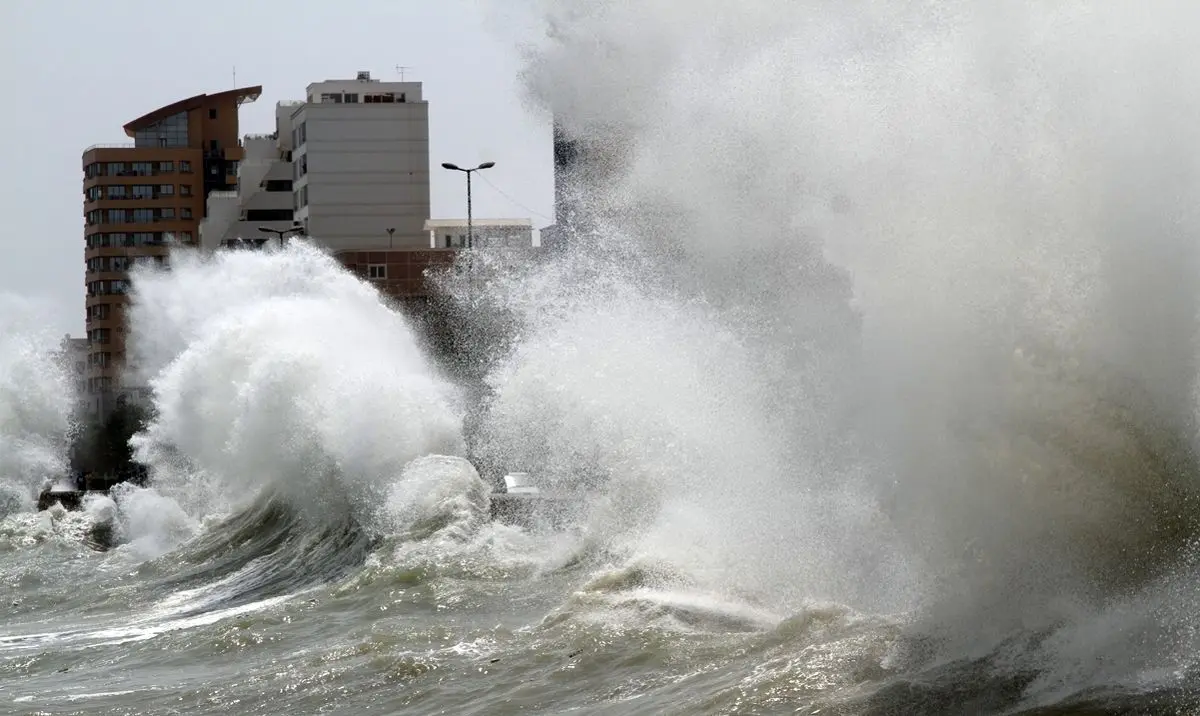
(289, 374)
(649, 409)
(37, 397)
(1005, 354)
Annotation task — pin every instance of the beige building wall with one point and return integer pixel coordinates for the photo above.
(360, 159)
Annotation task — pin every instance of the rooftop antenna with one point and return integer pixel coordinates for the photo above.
(401, 69)
(235, 76)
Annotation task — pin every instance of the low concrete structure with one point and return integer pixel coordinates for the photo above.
(488, 233)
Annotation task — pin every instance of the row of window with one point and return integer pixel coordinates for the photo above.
(115, 287)
(135, 191)
(136, 216)
(135, 238)
(134, 169)
(100, 335)
(123, 263)
(352, 98)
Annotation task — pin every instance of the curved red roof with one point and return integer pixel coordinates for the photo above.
(242, 94)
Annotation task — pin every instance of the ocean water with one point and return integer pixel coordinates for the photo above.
(871, 369)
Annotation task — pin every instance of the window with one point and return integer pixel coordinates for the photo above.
(212, 145)
(185, 213)
(350, 98)
(108, 264)
(166, 167)
(212, 113)
(169, 132)
(143, 169)
(185, 167)
(278, 185)
(115, 191)
(167, 213)
(377, 272)
(166, 190)
(334, 97)
(185, 190)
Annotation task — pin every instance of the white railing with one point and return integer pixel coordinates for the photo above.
(119, 145)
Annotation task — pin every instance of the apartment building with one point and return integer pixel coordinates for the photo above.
(361, 163)
(264, 197)
(138, 198)
(347, 167)
(352, 162)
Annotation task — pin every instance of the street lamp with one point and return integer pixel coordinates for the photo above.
(468, 172)
(281, 232)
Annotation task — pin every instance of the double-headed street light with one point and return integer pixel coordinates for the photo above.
(282, 232)
(468, 172)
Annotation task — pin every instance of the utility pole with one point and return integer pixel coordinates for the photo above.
(468, 172)
(281, 232)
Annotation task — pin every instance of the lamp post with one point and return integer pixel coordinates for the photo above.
(281, 232)
(468, 172)
(391, 232)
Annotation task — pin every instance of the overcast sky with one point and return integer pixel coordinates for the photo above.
(75, 72)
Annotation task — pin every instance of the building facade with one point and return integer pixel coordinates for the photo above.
(361, 163)
(264, 197)
(138, 198)
(488, 233)
(353, 161)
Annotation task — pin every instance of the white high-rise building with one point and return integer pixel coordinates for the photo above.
(361, 163)
(352, 159)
